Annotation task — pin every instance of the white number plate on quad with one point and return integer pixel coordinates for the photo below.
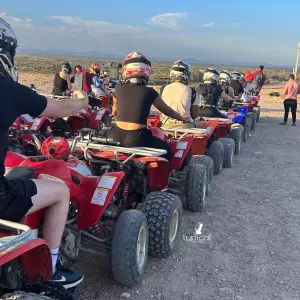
(99, 196)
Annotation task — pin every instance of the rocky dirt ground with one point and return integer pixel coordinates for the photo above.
(252, 218)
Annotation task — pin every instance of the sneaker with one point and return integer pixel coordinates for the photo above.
(294, 124)
(67, 278)
(283, 123)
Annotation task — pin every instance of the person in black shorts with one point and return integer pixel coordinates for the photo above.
(20, 197)
(132, 104)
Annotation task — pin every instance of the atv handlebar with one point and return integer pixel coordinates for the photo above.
(22, 131)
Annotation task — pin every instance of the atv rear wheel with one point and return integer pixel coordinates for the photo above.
(196, 187)
(164, 215)
(129, 256)
(254, 119)
(209, 165)
(247, 125)
(257, 115)
(216, 152)
(236, 133)
(228, 145)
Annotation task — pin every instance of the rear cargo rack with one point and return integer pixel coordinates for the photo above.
(185, 131)
(8, 241)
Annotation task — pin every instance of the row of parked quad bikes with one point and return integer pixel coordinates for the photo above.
(124, 201)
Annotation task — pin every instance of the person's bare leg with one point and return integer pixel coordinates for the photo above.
(55, 197)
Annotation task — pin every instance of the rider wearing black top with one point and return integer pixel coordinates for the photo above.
(61, 83)
(132, 105)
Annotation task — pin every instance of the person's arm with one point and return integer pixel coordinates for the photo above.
(226, 97)
(67, 78)
(114, 107)
(285, 92)
(65, 107)
(298, 88)
(195, 107)
(167, 110)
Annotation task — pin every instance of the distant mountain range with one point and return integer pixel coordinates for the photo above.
(119, 57)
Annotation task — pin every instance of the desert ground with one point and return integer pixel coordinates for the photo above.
(251, 217)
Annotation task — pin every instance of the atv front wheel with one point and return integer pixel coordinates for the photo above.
(129, 256)
(247, 126)
(209, 165)
(228, 145)
(216, 152)
(164, 215)
(24, 296)
(236, 133)
(196, 187)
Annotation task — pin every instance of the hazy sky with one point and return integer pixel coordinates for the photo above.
(241, 31)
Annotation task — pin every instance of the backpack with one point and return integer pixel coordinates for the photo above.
(194, 93)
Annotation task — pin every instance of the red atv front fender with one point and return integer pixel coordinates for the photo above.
(97, 117)
(97, 194)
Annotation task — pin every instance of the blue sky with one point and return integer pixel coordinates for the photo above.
(240, 31)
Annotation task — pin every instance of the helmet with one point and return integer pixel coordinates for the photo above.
(180, 70)
(236, 75)
(243, 76)
(211, 76)
(249, 77)
(55, 147)
(8, 46)
(136, 66)
(95, 69)
(66, 67)
(225, 77)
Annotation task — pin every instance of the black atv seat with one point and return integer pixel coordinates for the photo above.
(20, 173)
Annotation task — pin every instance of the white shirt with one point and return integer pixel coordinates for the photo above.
(179, 97)
(247, 88)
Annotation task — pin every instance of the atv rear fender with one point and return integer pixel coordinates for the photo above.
(97, 194)
(158, 174)
(13, 159)
(97, 117)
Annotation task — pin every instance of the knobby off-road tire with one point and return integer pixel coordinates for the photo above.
(257, 115)
(129, 255)
(164, 215)
(254, 118)
(216, 152)
(209, 165)
(247, 126)
(228, 145)
(196, 187)
(24, 296)
(236, 133)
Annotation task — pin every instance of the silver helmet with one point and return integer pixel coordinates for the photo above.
(181, 70)
(8, 46)
(211, 75)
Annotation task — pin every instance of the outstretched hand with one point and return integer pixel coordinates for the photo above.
(81, 95)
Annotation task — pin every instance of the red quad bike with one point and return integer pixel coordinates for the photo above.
(117, 205)
(205, 143)
(26, 266)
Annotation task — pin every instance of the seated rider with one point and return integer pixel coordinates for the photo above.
(236, 84)
(248, 90)
(62, 81)
(210, 93)
(132, 105)
(21, 197)
(180, 97)
(97, 84)
(225, 78)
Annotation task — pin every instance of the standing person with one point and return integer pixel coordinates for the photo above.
(291, 90)
(62, 80)
(180, 97)
(259, 79)
(20, 197)
(236, 84)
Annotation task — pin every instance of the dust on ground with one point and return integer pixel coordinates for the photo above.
(252, 217)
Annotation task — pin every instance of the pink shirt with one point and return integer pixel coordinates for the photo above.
(291, 90)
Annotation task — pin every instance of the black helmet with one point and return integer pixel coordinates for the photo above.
(66, 67)
(8, 46)
(180, 70)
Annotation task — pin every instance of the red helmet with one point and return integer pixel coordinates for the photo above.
(159, 133)
(249, 77)
(136, 65)
(55, 147)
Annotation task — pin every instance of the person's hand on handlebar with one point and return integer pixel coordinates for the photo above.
(184, 119)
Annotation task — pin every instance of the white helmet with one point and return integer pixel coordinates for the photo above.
(225, 77)
(236, 75)
(181, 71)
(211, 76)
(8, 46)
(243, 76)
